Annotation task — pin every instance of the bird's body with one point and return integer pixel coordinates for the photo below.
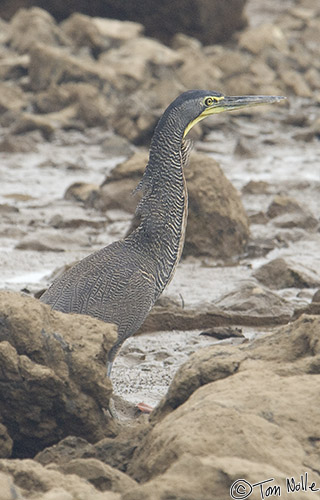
(121, 282)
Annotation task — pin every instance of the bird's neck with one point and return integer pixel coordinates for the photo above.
(164, 205)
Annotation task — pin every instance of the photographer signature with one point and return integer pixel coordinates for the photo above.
(242, 489)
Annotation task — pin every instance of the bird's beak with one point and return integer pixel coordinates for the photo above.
(230, 103)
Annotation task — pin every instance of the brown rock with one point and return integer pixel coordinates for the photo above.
(81, 191)
(53, 374)
(249, 305)
(257, 39)
(46, 124)
(282, 205)
(316, 297)
(117, 189)
(8, 490)
(217, 222)
(5, 442)
(116, 146)
(83, 31)
(18, 144)
(11, 98)
(257, 303)
(257, 187)
(296, 83)
(51, 65)
(288, 213)
(141, 58)
(116, 452)
(100, 475)
(236, 402)
(280, 273)
(41, 483)
(32, 26)
(14, 67)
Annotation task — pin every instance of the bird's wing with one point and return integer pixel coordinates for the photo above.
(112, 285)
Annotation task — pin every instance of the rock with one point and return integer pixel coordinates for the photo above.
(46, 124)
(48, 244)
(116, 190)
(229, 403)
(84, 101)
(115, 452)
(222, 333)
(316, 297)
(84, 32)
(5, 443)
(100, 475)
(82, 192)
(257, 187)
(280, 273)
(296, 83)
(53, 66)
(282, 205)
(41, 483)
(257, 39)
(118, 31)
(53, 380)
(11, 98)
(99, 34)
(249, 305)
(8, 490)
(192, 478)
(254, 303)
(207, 74)
(61, 453)
(116, 146)
(217, 223)
(288, 213)
(140, 59)
(14, 67)
(30, 26)
(21, 144)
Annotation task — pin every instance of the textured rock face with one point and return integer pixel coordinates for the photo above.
(28, 479)
(217, 222)
(254, 404)
(53, 379)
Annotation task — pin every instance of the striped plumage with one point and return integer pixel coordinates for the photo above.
(121, 282)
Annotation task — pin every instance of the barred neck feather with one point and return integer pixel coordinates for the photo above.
(163, 208)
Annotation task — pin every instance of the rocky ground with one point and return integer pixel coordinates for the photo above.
(236, 333)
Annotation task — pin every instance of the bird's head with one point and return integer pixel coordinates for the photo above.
(195, 105)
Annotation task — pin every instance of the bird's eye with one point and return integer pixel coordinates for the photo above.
(208, 101)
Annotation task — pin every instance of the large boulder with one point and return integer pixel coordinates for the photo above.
(217, 222)
(235, 412)
(53, 377)
(30, 26)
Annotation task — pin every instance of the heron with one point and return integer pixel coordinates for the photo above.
(120, 283)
